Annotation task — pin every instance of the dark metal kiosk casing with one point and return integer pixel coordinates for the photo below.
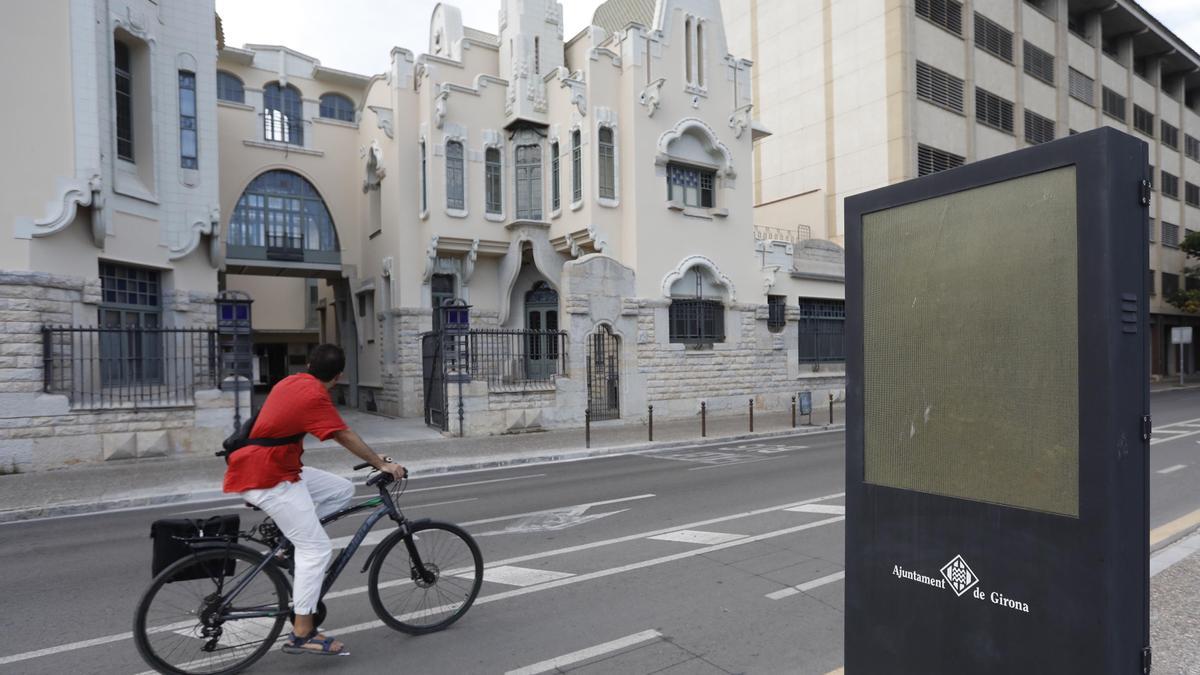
(998, 416)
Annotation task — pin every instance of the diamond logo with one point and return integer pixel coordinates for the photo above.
(959, 575)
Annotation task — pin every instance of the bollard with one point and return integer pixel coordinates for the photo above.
(751, 415)
(587, 427)
(831, 407)
(793, 412)
(650, 414)
(703, 415)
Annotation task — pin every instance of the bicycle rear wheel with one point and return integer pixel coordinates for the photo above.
(428, 597)
(170, 629)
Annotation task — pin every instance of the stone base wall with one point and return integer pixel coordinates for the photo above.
(43, 431)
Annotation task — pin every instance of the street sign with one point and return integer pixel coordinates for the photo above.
(998, 416)
(1181, 335)
(806, 403)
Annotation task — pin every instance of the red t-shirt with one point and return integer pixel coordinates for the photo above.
(297, 404)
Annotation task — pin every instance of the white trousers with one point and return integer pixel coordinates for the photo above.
(297, 509)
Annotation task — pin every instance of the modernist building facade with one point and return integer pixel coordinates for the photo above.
(864, 93)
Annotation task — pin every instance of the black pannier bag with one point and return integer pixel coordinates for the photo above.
(168, 548)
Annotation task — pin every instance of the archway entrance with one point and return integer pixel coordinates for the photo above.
(604, 374)
(541, 315)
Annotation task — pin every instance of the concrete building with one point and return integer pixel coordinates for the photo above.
(109, 218)
(864, 93)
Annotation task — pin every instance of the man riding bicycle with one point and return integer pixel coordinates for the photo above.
(297, 497)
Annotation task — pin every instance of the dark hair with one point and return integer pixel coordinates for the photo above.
(326, 362)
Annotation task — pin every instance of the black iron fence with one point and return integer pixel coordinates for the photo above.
(104, 368)
(507, 357)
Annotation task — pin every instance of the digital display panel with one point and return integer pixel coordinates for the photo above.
(971, 344)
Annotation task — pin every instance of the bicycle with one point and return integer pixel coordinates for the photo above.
(225, 621)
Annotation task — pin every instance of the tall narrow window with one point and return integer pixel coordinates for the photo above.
(529, 182)
(608, 164)
(188, 157)
(424, 186)
(131, 348)
(555, 196)
(687, 49)
(699, 53)
(122, 72)
(282, 114)
(492, 180)
(454, 176)
(537, 56)
(576, 166)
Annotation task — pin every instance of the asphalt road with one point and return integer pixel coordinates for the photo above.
(677, 561)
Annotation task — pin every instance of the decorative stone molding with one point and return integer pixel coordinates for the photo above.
(430, 258)
(769, 277)
(599, 241)
(439, 106)
(651, 96)
(209, 225)
(469, 262)
(740, 120)
(698, 261)
(709, 138)
(383, 119)
(375, 169)
(577, 87)
(134, 23)
(61, 211)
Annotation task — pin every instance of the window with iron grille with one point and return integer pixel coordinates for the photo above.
(1143, 120)
(230, 87)
(1039, 63)
(130, 298)
(939, 87)
(1081, 87)
(283, 114)
(608, 163)
(1170, 135)
(944, 13)
(697, 321)
(1153, 286)
(1038, 129)
(690, 186)
(822, 330)
(1191, 147)
(123, 77)
(1112, 103)
(1170, 185)
(1170, 284)
(454, 176)
(337, 107)
(529, 182)
(993, 111)
(555, 192)
(187, 121)
(931, 160)
(576, 166)
(993, 38)
(1191, 194)
(776, 313)
(1170, 235)
(491, 182)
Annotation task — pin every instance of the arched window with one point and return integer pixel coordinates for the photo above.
(492, 181)
(697, 312)
(283, 116)
(608, 164)
(284, 213)
(337, 107)
(529, 182)
(455, 180)
(687, 50)
(230, 87)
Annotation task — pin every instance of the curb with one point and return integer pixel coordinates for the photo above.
(181, 495)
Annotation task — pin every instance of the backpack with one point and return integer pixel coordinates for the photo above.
(241, 438)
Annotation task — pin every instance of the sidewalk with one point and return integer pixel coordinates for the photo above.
(1172, 383)
(100, 487)
(1175, 608)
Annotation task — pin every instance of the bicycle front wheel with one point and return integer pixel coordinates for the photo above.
(179, 629)
(425, 582)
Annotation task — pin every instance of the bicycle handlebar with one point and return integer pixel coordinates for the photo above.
(365, 465)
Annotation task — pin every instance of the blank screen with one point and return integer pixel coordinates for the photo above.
(970, 334)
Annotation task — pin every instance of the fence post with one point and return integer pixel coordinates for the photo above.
(751, 415)
(793, 412)
(47, 381)
(587, 427)
(703, 420)
(650, 410)
(831, 407)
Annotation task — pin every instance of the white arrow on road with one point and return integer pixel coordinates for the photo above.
(552, 521)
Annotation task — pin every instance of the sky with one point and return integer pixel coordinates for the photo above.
(357, 35)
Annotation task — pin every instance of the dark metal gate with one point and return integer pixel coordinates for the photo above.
(604, 374)
(433, 376)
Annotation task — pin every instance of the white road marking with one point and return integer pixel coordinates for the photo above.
(1188, 429)
(83, 644)
(807, 586)
(1172, 469)
(697, 537)
(511, 575)
(744, 461)
(819, 508)
(552, 522)
(587, 654)
(248, 630)
(478, 482)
